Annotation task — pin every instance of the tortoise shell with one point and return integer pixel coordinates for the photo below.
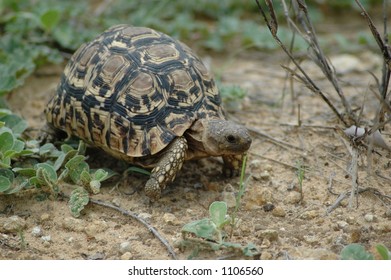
(131, 91)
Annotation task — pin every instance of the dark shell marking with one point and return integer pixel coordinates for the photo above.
(131, 91)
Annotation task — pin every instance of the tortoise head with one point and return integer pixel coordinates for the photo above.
(222, 137)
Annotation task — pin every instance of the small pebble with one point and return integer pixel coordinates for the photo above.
(278, 211)
(36, 231)
(317, 254)
(369, 218)
(125, 247)
(342, 225)
(44, 217)
(268, 207)
(170, 219)
(309, 215)
(265, 175)
(311, 239)
(116, 202)
(95, 227)
(70, 239)
(265, 243)
(351, 220)
(388, 213)
(229, 198)
(257, 197)
(269, 234)
(12, 224)
(73, 224)
(46, 238)
(293, 197)
(267, 167)
(266, 256)
(145, 216)
(198, 186)
(256, 163)
(229, 188)
(126, 256)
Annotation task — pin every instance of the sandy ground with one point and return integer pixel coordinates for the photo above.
(282, 221)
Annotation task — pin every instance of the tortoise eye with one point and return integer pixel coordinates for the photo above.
(231, 139)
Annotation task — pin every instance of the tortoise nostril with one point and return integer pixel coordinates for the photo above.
(231, 139)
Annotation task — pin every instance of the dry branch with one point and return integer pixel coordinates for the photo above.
(310, 36)
(141, 220)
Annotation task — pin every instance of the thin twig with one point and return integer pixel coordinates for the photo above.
(320, 59)
(344, 195)
(354, 174)
(142, 221)
(271, 138)
(386, 51)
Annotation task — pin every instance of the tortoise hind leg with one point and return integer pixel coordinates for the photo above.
(49, 134)
(167, 167)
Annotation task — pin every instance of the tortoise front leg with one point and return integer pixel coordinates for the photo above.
(167, 167)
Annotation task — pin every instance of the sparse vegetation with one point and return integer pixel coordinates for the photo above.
(209, 233)
(25, 165)
(358, 252)
(34, 34)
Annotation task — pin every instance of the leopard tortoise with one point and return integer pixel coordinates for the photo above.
(145, 98)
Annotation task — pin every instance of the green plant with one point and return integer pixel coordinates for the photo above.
(300, 173)
(26, 165)
(35, 33)
(242, 190)
(358, 252)
(210, 231)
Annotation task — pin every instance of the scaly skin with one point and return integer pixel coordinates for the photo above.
(167, 167)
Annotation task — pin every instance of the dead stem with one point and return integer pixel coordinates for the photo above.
(142, 221)
(310, 36)
(354, 174)
(384, 198)
(272, 139)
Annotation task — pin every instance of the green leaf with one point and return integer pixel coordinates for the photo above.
(6, 141)
(59, 161)
(76, 166)
(81, 149)
(47, 171)
(15, 123)
(74, 162)
(7, 173)
(6, 179)
(48, 150)
(18, 146)
(17, 186)
(95, 186)
(50, 19)
(202, 228)
(5, 162)
(103, 174)
(355, 252)
(250, 250)
(85, 177)
(218, 213)
(137, 170)
(383, 252)
(100, 175)
(65, 148)
(5, 183)
(78, 199)
(28, 172)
